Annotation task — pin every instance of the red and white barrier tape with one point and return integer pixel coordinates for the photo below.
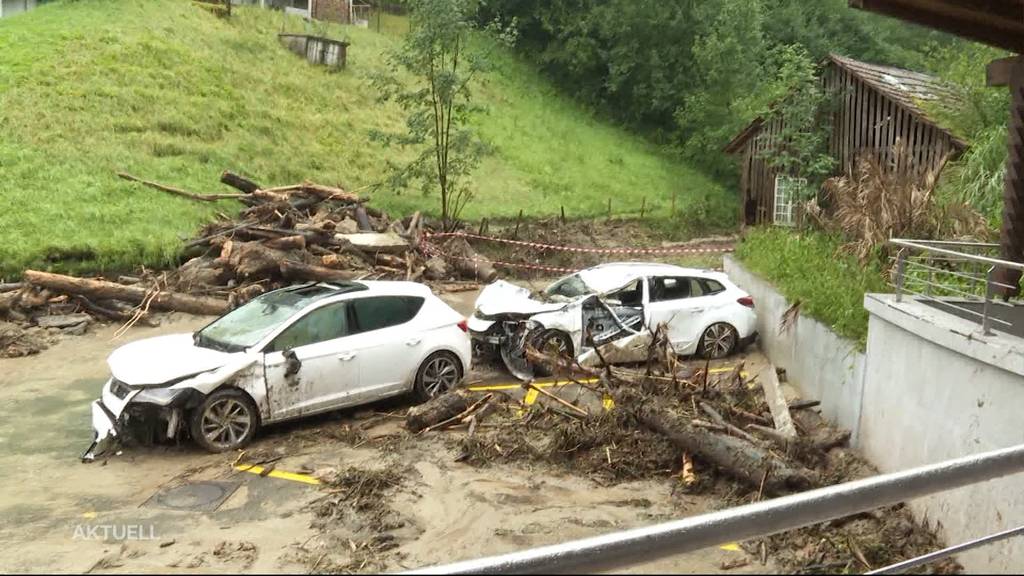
(434, 251)
(538, 245)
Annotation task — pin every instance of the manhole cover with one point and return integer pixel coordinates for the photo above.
(195, 497)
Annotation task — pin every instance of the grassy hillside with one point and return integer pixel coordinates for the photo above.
(168, 92)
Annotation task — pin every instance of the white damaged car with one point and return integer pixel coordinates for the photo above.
(616, 308)
(289, 353)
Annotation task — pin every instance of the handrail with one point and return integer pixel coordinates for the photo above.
(651, 543)
(924, 245)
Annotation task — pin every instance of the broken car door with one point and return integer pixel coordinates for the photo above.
(680, 304)
(615, 314)
(312, 366)
(389, 347)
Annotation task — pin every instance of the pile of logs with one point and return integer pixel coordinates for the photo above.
(284, 235)
(722, 421)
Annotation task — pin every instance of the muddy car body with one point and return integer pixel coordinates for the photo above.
(290, 353)
(615, 308)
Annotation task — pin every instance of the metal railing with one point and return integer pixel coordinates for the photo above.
(642, 545)
(958, 276)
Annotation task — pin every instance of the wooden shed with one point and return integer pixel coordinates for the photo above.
(874, 107)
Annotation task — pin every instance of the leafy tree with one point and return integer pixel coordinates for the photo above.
(439, 54)
(801, 146)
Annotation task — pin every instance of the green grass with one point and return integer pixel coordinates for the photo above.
(168, 92)
(810, 268)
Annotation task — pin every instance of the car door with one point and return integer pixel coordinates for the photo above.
(311, 366)
(680, 304)
(389, 345)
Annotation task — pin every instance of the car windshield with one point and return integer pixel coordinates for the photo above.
(245, 326)
(568, 287)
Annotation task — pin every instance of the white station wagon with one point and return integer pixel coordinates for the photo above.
(290, 353)
(703, 312)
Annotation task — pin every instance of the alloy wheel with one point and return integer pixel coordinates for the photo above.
(226, 422)
(440, 375)
(719, 341)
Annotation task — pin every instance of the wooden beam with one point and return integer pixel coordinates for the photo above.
(997, 23)
(999, 72)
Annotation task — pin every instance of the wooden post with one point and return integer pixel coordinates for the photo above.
(519, 220)
(1010, 72)
(609, 208)
(563, 214)
(643, 207)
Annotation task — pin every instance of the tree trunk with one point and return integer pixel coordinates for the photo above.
(437, 410)
(734, 456)
(468, 263)
(239, 182)
(103, 290)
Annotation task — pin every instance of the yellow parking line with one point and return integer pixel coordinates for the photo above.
(280, 474)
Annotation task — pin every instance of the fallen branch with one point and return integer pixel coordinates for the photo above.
(573, 407)
(103, 290)
(179, 191)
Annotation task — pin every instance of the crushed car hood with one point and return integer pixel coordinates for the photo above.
(503, 297)
(154, 361)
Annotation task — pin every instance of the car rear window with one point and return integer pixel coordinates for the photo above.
(380, 312)
(712, 286)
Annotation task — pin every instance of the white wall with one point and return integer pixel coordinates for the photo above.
(936, 390)
(929, 388)
(819, 364)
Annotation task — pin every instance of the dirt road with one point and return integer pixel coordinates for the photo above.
(59, 515)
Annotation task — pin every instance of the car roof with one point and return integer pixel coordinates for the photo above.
(610, 276)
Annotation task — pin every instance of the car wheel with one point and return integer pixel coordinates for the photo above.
(226, 420)
(552, 343)
(719, 341)
(439, 373)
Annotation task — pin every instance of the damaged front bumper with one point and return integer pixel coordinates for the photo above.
(123, 411)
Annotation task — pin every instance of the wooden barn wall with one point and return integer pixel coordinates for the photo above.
(864, 122)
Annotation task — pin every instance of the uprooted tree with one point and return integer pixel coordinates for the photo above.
(439, 54)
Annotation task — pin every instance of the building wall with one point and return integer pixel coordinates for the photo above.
(332, 10)
(928, 388)
(865, 122)
(935, 390)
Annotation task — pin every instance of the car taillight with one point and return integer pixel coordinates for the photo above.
(747, 301)
(464, 326)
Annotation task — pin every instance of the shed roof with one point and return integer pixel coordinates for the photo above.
(911, 90)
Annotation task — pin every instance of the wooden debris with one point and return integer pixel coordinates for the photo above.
(103, 290)
(738, 458)
(374, 242)
(777, 402)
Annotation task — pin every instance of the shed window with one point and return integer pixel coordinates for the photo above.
(787, 191)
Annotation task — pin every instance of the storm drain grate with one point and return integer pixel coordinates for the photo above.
(194, 497)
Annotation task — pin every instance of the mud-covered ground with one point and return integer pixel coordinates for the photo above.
(351, 491)
(416, 505)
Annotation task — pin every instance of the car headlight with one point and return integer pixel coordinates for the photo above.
(158, 396)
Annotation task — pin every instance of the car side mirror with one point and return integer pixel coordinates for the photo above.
(293, 364)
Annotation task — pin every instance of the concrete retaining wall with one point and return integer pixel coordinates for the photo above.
(935, 389)
(929, 388)
(818, 363)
